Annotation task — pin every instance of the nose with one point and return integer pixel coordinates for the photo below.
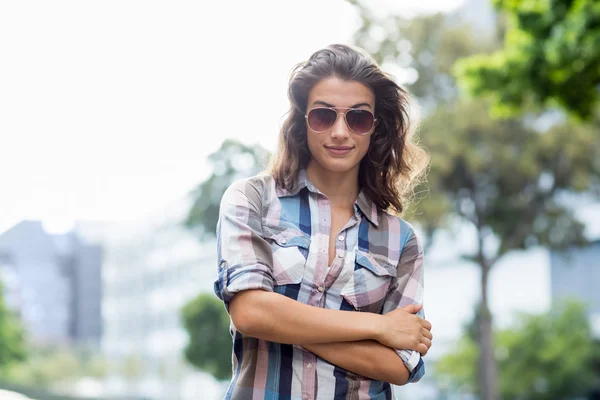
(340, 130)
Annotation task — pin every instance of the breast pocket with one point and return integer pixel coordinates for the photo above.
(367, 288)
(290, 251)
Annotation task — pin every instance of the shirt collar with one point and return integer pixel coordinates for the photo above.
(363, 202)
(368, 208)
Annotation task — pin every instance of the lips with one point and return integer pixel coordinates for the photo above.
(338, 150)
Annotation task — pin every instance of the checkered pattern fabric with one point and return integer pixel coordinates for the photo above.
(277, 240)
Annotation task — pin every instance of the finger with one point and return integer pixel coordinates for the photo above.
(412, 308)
(426, 342)
(426, 324)
(426, 333)
(422, 349)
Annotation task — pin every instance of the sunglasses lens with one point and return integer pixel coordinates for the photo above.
(321, 119)
(360, 121)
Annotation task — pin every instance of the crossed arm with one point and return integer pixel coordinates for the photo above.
(359, 342)
(367, 358)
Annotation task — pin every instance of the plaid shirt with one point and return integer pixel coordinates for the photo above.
(277, 240)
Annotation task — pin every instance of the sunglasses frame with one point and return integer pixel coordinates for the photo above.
(335, 109)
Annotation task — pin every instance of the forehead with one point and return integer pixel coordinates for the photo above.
(341, 93)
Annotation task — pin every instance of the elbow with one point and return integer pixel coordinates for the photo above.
(241, 322)
(400, 381)
(397, 375)
(243, 315)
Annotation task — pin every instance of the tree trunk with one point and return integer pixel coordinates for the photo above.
(487, 362)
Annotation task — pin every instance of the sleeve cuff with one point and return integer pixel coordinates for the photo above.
(417, 373)
(233, 280)
(414, 364)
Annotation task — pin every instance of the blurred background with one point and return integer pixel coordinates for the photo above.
(122, 122)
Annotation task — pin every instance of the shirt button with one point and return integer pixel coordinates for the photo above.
(283, 241)
(320, 289)
(341, 238)
(309, 366)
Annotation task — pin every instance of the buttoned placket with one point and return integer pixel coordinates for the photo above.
(321, 282)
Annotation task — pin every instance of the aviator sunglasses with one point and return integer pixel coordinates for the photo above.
(321, 119)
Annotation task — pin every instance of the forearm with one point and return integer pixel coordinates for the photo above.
(367, 358)
(276, 318)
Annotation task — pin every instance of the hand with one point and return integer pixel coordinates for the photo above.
(403, 330)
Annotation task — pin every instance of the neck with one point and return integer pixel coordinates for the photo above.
(341, 188)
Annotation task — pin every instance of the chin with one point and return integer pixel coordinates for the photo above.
(339, 166)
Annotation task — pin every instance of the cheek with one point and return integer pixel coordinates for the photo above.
(363, 144)
(313, 141)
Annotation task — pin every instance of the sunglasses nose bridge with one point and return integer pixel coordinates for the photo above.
(340, 127)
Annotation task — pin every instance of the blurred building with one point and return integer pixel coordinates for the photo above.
(53, 282)
(153, 268)
(576, 274)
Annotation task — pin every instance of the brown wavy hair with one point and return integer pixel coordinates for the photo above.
(394, 162)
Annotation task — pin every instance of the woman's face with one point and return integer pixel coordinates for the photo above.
(338, 149)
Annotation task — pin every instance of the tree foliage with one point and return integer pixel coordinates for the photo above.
(545, 357)
(12, 336)
(509, 181)
(551, 56)
(52, 366)
(513, 185)
(207, 324)
(233, 160)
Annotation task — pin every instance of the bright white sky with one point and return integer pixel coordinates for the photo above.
(109, 108)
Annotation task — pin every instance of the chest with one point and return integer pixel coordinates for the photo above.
(329, 257)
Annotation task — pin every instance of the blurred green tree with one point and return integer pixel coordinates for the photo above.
(207, 324)
(551, 57)
(545, 357)
(233, 160)
(51, 366)
(514, 186)
(12, 336)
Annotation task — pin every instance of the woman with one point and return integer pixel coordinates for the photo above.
(304, 247)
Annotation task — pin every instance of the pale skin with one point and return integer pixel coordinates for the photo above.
(362, 343)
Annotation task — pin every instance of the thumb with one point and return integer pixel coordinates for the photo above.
(412, 308)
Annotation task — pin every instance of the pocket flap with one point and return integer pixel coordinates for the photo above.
(380, 266)
(288, 237)
(290, 251)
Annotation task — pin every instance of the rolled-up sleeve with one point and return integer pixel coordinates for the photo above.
(407, 289)
(244, 257)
